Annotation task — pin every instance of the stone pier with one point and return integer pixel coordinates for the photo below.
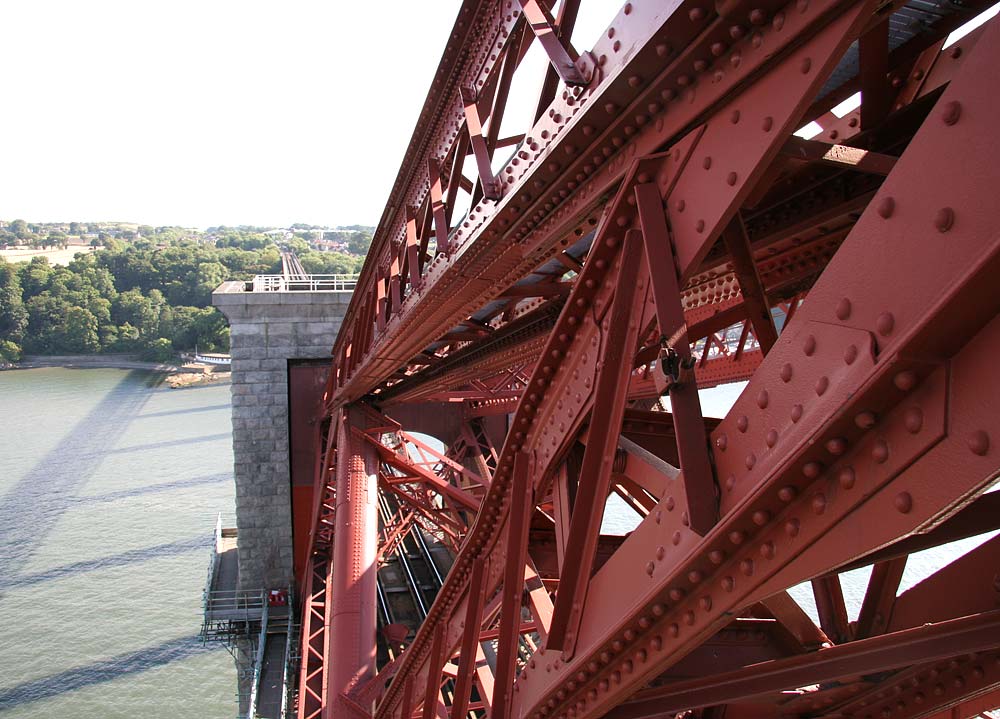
(270, 331)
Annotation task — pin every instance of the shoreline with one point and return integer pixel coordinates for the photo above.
(177, 376)
(94, 362)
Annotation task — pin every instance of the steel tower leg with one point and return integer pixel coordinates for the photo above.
(351, 639)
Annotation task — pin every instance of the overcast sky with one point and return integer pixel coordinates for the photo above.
(206, 112)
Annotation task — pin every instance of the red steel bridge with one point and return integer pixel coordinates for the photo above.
(547, 305)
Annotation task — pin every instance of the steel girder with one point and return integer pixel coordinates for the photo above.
(699, 243)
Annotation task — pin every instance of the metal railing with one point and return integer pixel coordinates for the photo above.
(235, 604)
(307, 283)
(258, 663)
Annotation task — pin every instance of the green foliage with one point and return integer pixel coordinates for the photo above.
(158, 350)
(9, 352)
(149, 289)
(13, 315)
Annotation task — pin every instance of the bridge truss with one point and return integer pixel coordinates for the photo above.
(659, 228)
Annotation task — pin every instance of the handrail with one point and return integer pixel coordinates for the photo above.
(213, 564)
(285, 678)
(304, 283)
(255, 682)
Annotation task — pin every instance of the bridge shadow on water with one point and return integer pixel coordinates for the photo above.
(30, 509)
(206, 480)
(171, 412)
(103, 671)
(132, 556)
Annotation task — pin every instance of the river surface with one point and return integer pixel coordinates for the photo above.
(110, 485)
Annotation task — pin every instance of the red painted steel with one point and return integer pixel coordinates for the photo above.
(660, 229)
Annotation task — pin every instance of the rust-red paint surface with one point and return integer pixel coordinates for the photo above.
(659, 229)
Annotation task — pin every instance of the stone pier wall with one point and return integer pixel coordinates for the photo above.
(267, 330)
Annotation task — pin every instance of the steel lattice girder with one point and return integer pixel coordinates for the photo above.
(879, 387)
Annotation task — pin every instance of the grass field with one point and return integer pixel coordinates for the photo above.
(56, 257)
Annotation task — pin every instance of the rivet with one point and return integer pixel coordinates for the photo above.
(669, 504)
(836, 446)
(734, 117)
(676, 538)
(629, 635)
(730, 482)
(658, 609)
(905, 380)
(787, 494)
(674, 630)
(758, 17)
(767, 550)
(903, 502)
(821, 385)
(699, 226)
(979, 442)
(696, 14)
(695, 577)
(746, 566)
(843, 310)
(679, 205)
(767, 124)
(731, 179)
(865, 420)
(797, 413)
(952, 111)
(944, 219)
(737, 537)
(645, 623)
(913, 420)
(762, 399)
(880, 451)
(716, 556)
(809, 346)
(736, 32)
(761, 517)
(819, 503)
(649, 568)
(772, 438)
(728, 583)
(751, 460)
(792, 527)
(885, 323)
(850, 354)
(811, 470)
(778, 21)
(886, 207)
(742, 423)
(846, 478)
(806, 65)
(721, 442)
(786, 372)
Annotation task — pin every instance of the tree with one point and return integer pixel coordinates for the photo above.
(359, 242)
(13, 316)
(9, 352)
(80, 332)
(20, 229)
(158, 350)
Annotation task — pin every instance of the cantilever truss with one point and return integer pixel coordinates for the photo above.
(657, 229)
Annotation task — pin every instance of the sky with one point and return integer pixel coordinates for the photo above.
(201, 113)
(209, 112)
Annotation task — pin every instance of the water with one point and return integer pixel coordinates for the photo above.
(109, 490)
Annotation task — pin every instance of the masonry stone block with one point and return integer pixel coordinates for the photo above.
(267, 330)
